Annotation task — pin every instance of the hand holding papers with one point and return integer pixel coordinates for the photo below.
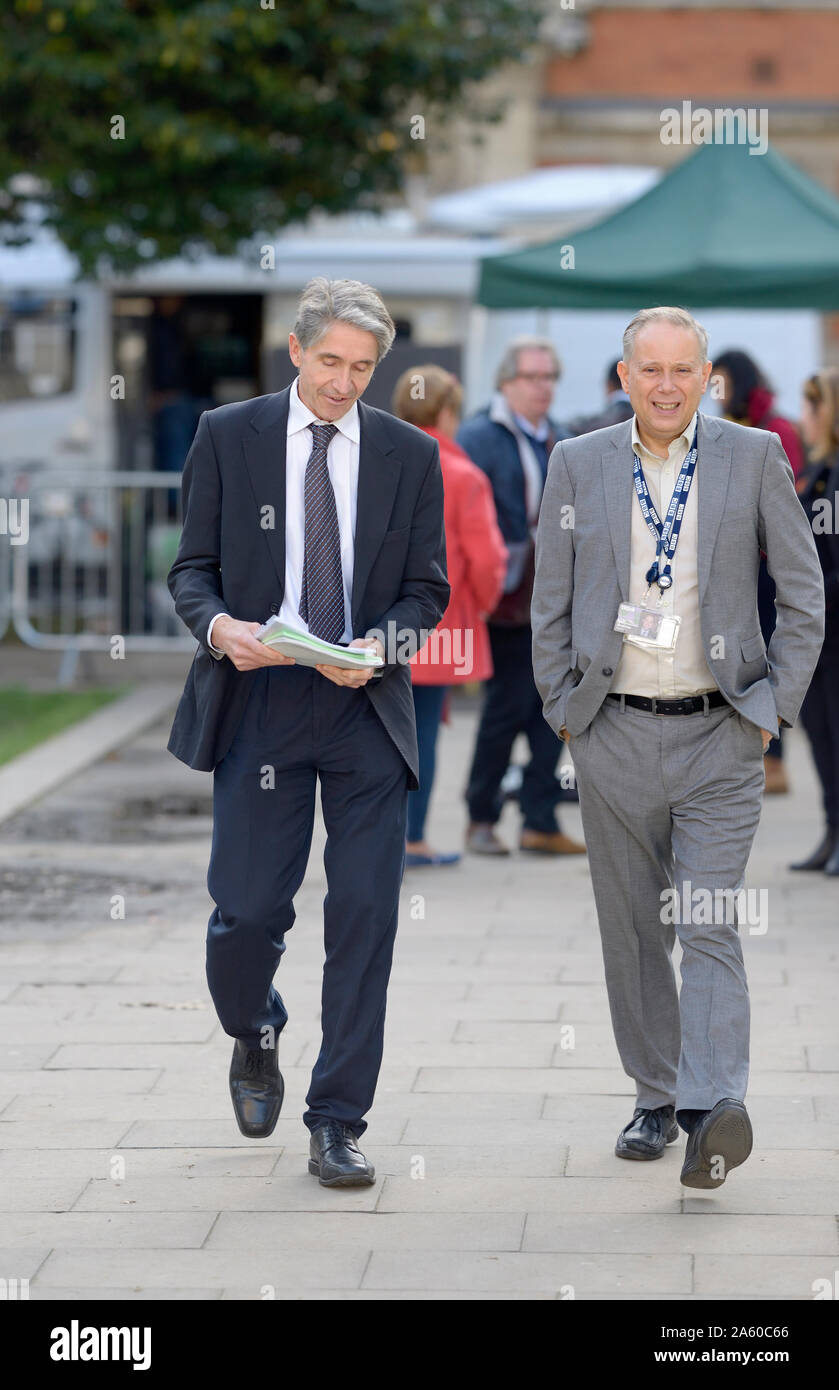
(307, 650)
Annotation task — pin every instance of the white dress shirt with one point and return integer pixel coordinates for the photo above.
(342, 462)
(684, 671)
(534, 482)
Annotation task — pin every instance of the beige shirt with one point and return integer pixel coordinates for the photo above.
(666, 675)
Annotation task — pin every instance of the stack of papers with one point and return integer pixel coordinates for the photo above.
(312, 651)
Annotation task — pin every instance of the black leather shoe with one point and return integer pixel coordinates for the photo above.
(256, 1088)
(821, 854)
(648, 1133)
(335, 1158)
(721, 1140)
(832, 866)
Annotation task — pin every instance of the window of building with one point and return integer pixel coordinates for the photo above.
(37, 346)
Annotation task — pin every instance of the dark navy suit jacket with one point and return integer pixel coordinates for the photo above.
(228, 561)
(494, 449)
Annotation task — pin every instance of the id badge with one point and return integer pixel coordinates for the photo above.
(647, 627)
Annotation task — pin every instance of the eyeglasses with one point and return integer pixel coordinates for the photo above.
(549, 378)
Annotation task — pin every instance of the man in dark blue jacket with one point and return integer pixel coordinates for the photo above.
(511, 440)
(312, 506)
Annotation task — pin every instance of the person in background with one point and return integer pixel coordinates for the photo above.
(818, 489)
(748, 399)
(171, 401)
(618, 407)
(477, 562)
(511, 440)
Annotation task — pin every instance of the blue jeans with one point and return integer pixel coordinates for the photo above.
(428, 706)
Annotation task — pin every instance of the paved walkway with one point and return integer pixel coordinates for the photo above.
(122, 1172)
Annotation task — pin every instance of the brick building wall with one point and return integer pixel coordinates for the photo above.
(749, 54)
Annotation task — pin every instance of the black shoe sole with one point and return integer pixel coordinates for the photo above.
(646, 1155)
(343, 1179)
(729, 1137)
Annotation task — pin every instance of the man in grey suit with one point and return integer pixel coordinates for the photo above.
(667, 721)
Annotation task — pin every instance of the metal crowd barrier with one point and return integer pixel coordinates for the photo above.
(11, 475)
(93, 567)
(5, 588)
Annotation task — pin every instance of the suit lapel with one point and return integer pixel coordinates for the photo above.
(713, 470)
(616, 470)
(265, 454)
(378, 479)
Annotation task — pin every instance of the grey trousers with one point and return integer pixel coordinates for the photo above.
(672, 802)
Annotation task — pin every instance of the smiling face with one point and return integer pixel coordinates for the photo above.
(664, 379)
(336, 370)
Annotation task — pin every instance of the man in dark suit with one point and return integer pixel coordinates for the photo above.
(313, 506)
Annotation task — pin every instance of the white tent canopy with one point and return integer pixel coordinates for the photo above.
(574, 193)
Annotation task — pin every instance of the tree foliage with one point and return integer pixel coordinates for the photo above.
(239, 119)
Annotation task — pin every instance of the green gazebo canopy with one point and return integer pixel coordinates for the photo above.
(724, 228)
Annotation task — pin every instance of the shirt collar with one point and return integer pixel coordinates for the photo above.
(300, 417)
(687, 435)
(541, 433)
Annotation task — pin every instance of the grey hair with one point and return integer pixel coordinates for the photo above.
(666, 313)
(324, 302)
(509, 364)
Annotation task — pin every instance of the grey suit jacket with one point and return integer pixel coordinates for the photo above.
(747, 503)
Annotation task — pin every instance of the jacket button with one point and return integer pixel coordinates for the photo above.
(275, 608)
(607, 671)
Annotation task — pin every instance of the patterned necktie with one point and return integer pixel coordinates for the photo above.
(322, 589)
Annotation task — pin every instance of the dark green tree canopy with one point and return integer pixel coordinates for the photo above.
(238, 118)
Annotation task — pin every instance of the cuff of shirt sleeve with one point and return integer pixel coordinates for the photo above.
(214, 651)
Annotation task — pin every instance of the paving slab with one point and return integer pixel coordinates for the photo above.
(500, 1095)
(364, 1231)
(184, 1193)
(249, 1160)
(575, 1275)
(671, 1234)
(105, 1267)
(754, 1276)
(75, 1230)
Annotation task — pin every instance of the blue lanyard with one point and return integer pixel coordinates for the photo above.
(666, 536)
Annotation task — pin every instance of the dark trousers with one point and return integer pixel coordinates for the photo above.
(820, 717)
(512, 705)
(299, 727)
(428, 707)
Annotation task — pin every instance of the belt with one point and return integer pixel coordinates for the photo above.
(693, 704)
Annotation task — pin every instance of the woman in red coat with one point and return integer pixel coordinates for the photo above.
(476, 558)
